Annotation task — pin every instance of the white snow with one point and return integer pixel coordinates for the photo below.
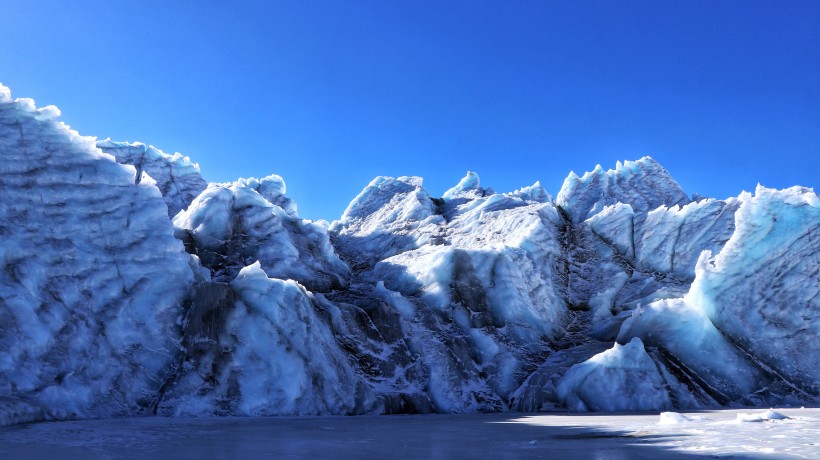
(674, 418)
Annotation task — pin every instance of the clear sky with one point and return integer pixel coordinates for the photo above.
(329, 94)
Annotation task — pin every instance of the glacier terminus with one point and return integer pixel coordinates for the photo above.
(130, 285)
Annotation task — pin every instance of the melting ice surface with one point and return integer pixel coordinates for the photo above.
(129, 286)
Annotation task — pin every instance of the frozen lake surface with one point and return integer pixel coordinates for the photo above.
(560, 435)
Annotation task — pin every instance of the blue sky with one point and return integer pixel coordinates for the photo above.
(331, 94)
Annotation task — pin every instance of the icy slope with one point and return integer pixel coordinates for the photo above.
(92, 280)
(176, 176)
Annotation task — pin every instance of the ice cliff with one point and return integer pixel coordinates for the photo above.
(92, 280)
(130, 285)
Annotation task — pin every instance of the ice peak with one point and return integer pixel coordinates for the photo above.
(177, 177)
(534, 192)
(252, 271)
(271, 187)
(5, 93)
(380, 192)
(643, 183)
(467, 184)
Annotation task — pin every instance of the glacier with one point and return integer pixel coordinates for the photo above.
(132, 286)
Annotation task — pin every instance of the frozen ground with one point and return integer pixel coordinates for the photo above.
(558, 435)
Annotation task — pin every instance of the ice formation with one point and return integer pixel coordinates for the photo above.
(230, 226)
(621, 378)
(270, 353)
(643, 184)
(176, 176)
(138, 288)
(765, 416)
(92, 279)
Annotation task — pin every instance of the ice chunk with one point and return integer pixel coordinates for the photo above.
(534, 192)
(619, 379)
(272, 188)
(469, 185)
(271, 354)
(615, 225)
(765, 416)
(674, 418)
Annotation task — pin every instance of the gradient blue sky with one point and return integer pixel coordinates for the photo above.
(330, 94)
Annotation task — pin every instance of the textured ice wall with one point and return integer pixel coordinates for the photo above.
(763, 289)
(92, 280)
(270, 353)
(176, 176)
(452, 303)
(620, 258)
(472, 279)
(496, 255)
(747, 329)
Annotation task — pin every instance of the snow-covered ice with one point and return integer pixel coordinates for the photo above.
(643, 184)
